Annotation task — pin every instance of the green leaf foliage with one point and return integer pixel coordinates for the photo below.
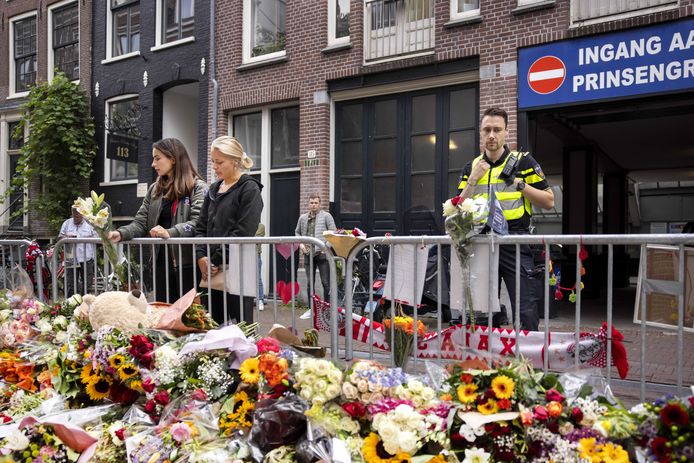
(59, 151)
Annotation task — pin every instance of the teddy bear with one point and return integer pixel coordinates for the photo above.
(120, 309)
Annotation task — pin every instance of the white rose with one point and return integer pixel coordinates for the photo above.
(60, 321)
(415, 386)
(417, 401)
(376, 396)
(332, 391)
(322, 367)
(16, 440)
(320, 386)
(467, 206)
(335, 376)
(366, 398)
(428, 394)
(349, 391)
(449, 209)
(44, 326)
(306, 393)
(362, 385)
(375, 387)
(408, 442)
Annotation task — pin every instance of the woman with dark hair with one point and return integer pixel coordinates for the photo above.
(170, 209)
(231, 208)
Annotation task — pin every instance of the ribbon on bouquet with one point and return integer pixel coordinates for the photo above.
(455, 340)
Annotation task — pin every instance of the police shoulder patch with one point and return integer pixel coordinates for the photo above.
(538, 170)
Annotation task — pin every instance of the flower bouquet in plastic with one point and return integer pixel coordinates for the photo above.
(343, 240)
(97, 212)
(400, 334)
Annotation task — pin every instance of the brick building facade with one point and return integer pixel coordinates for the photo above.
(475, 49)
(32, 22)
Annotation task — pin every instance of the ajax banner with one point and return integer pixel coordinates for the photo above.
(635, 62)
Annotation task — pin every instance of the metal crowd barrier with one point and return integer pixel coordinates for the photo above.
(12, 258)
(136, 256)
(545, 241)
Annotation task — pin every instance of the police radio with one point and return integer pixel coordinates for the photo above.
(509, 171)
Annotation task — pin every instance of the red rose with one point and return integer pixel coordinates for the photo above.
(162, 397)
(355, 409)
(466, 378)
(540, 413)
(577, 415)
(120, 433)
(553, 395)
(659, 448)
(6, 419)
(455, 200)
(148, 385)
(150, 406)
(504, 404)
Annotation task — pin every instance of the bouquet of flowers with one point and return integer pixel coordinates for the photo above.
(317, 380)
(97, 212)
(400, 331)
(463, 220)
(666, 429)
(367, 382)
(343, 240)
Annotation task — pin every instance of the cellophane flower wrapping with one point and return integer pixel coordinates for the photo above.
(464, 218)
(277, 422)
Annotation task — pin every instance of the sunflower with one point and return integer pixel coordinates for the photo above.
(116, 361)
(127, 371)
(249, 370)
(466, 393)
(373, 452)
(488, 408)
(438, 459)
(503, 387)
(136, 386)
(99, 387)
(88, 373)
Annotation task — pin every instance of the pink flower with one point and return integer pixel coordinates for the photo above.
(268, 345)
(150, 406)
(148, 385)
(540, 413)
(526, 417)
(181, 432)
(553, 395)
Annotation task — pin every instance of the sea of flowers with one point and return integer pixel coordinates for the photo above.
(150, 396)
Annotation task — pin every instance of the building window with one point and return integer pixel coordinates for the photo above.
(278, 127)
(528, 2)
(338, 21)
(584, 12)
(122, 116)
(65, 41)
(461, 9)
(264, 25)
(24, 53)
(177, 19)
(125, 27)
(15, 142)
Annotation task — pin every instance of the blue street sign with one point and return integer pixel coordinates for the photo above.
(639, 61)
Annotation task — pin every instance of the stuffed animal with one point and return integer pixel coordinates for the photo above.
(120, 309)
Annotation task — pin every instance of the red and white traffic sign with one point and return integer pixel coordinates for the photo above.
(546, 74)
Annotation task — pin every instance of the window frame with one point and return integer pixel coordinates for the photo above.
(332, 26)
(110, 29)
(13, 93)
(465, 14)
(159, 43)
(107, 162)
(247, 31)
(522, 3)
(5, 153)
(51, 51)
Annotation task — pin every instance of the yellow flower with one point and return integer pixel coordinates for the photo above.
(466, 393)
(98, 387)
(370, 451)
(127, 371)
(87, 354)
(136, 385)
(613, 453)
(249, 370)
(87, 373)
(587, 449)
(503, 387)
(488, 407)
(438, 459)
(116, 361)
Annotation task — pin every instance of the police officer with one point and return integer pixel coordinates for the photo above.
(518, 188)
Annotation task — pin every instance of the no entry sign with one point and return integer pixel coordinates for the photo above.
(546, 74)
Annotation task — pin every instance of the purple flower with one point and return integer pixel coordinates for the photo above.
(387, 404)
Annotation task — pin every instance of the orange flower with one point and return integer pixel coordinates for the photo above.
(554, 408)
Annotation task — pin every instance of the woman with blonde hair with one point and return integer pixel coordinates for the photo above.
(170, 209)
(232, 207)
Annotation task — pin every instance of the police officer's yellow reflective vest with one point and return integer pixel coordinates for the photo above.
(512, 202)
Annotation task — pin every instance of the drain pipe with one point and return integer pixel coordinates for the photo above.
(213, 70)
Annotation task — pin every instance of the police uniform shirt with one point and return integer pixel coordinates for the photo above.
(528, 170)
